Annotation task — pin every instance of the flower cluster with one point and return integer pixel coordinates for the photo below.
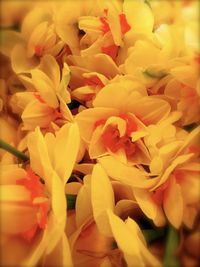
(99, 114)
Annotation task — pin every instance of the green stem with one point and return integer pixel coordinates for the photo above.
(170, 258)
(13, 150)
(71, 201)
(151, 234)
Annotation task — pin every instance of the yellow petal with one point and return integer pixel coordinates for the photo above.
(151, 110)
(37, 114)
(142, 55)
(37, 36)
(146, 203)
(178, 161)
(50, 67)
(96, 148)
(128, 175)
(58, 199)
(122, 96)
(66, 150)
(20, 61)
(102, 198)
(191, 139)
(141, 11)
(126, 240)
(45, 87)
(83, 204)
(65, 111)
(156, 165)
(149, 258)
(173, 203)
(8, 40)
(39, 157)
(32, 19)
(97, 63)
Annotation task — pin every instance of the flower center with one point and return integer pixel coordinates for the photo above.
(113, 141)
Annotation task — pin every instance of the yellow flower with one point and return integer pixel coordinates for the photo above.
(95, 201)
(46, 96)
(92, 83)
(33, 203)
(116, 127)
(107, 28)
(177, 184)
(36, 39)
(183, 89)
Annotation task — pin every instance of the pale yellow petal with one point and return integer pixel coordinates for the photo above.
(96, 148)
(66, 150)
(128, 175)
(178, 161)
(149, 258)
(83, 205)
(37, 114)
(45, 87)
(102, 198)
(173, 203)
(39, 157)
(20, 61)
(146, 203)
(50, 67)
(127, 241)
(141, 11)
(8, 40)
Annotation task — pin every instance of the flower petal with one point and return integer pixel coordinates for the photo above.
(102, 198)
(66, 150)
(173, 203)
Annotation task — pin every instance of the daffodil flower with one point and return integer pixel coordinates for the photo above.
(96, 219)
(116, 127)
(37, 38)
(183, 89)
(46, 96)
(178, 169)
(33, 202)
